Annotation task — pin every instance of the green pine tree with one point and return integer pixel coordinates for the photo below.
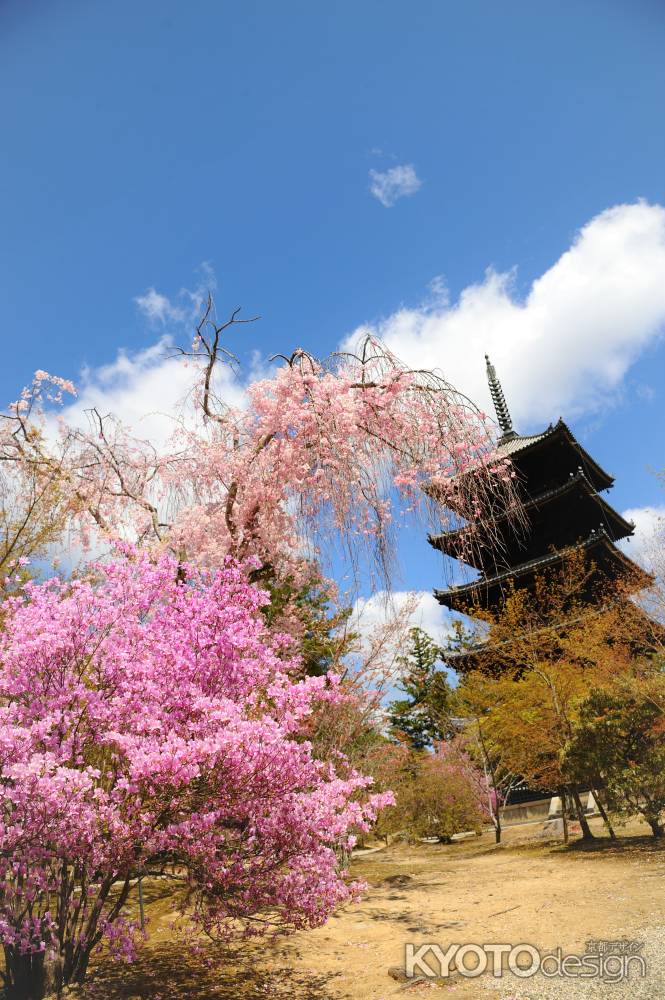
(422, 718)
(324, 637)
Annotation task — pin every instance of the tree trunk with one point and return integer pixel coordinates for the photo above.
(564, 813)
(30, 977)
(605, 817)
(497, 829)
(656, 826)
(584, 823)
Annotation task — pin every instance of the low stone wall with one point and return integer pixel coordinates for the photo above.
(525, 811)
(542, 809)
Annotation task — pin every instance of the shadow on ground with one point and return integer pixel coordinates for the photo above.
(164, 974)
(622, 846)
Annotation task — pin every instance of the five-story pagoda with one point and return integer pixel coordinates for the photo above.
(560, 486)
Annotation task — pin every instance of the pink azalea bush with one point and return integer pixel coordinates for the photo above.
(148, 723)
(438, 795)
(453, 760)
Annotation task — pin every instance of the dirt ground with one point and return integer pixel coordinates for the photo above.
(525, 890)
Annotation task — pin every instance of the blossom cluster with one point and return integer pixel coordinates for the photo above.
(336, 454)
(147, 719)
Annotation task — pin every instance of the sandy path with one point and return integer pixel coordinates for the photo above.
(526, 890)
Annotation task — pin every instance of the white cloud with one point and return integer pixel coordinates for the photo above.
(383, 622)
(160, 309)
(564, 348)
(646, 545)
(396, 182)
(422, 609)
(149, 390)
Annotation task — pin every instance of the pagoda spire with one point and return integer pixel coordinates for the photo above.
(499, 400)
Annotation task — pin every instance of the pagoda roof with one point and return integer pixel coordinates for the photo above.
(487, 591)
(528, 454)
(519, 446)
(478, 542)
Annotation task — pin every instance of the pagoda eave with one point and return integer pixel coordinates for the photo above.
(575, 503)
(495, 657)
(522, 448)
(487, 592)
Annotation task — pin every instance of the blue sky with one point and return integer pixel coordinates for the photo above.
(141, 140)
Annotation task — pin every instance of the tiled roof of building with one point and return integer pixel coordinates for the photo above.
(509, 446)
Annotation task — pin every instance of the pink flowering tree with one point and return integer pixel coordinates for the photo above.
(455, 757)
(322, 453)
(149, 725)
(437, 794)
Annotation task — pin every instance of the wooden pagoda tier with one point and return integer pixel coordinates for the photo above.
(559, 483)
(497, 657)
(560, 515)
(487, 592)
(548, 457)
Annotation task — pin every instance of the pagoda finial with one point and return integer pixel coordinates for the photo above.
(499, 400)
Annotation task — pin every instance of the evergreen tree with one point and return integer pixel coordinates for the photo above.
(619, 745)
(308, 612)
(422, 718)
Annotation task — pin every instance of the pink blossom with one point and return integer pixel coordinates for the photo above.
(147, 719)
